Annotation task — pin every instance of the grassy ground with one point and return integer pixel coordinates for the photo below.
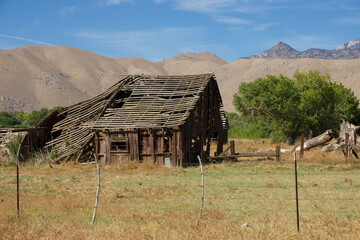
(149, 202)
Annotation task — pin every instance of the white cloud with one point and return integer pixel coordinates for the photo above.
(26, 40)
(262, 27)
(303, 42)
(234, 20)
(153, 45)
(276, 1)
(158, 1)
(116, 2)
(216, 6)
(253, 8)
(233, 12)
(349, 20)
(204, 5)
(66, 10)
(351, 7)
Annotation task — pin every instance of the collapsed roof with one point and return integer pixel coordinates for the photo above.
(137, 101)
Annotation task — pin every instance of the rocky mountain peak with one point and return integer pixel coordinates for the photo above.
(282, 45)
(349, 50)
(280, 50)
(351, 44)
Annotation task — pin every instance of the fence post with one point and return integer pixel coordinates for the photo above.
(355, 137)
(202, 191)
(302, 147)
(232, 148)
(277, 153)
(296, 192)
(17, 178)
(346, 146)
(17, 187)
(202, 156)
(97, 190)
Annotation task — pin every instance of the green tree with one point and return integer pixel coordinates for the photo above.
(8, 119)
(37, 116)
(309, 103)
(23, 119)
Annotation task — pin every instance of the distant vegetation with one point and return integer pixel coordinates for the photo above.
(308, 103)
(23, 119)
(252, 128)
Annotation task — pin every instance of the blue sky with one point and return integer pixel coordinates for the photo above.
(157, 29)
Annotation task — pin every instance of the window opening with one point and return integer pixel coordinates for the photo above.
(119, 145)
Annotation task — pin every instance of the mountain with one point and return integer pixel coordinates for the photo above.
(280, 50)
(229, 76)
(32, 77)
(351, 44)
(350, 50)
(191, 63)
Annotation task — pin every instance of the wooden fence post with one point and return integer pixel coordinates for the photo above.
(302, 147)
(97, 190)
(277, 152)
(202, 191)
(202, 156)
(346, 146)
(17, 179)
(355, 137)
(232, 147)
(296, 192)
(17, 187)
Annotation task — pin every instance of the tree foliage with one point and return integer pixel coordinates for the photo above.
(247, 126)
(23, 119)
(307, 103)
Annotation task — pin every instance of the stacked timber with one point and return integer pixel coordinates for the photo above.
(75, 133)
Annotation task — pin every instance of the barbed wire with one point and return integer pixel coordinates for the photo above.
(118, 193)
(157, 198)
(144, 184)
(192, 209)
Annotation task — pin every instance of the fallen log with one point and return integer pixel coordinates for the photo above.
(349, 128)
(324, 138)
(334, 145)
(339, 143)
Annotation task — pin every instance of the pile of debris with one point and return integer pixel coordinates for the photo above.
(346, 142)
(347, 136)
(5, 138)
(2, 135)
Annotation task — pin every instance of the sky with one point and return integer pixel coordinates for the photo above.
(159, 29)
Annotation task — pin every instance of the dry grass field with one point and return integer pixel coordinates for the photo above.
(151, 202)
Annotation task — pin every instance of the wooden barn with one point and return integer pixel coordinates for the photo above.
(160, 119)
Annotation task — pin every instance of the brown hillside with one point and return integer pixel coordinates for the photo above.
(192, 63)
(245, 70)
(32, 77)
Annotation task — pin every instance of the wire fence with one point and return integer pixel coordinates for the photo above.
(238, 192)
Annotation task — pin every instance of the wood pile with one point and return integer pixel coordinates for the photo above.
(348, 137)
(347, 141)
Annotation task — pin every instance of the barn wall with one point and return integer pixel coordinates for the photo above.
(36, 139)
(203, 124)
(148, 146)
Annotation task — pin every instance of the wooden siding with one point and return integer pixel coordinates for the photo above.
(149, 146)
(144, 118)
